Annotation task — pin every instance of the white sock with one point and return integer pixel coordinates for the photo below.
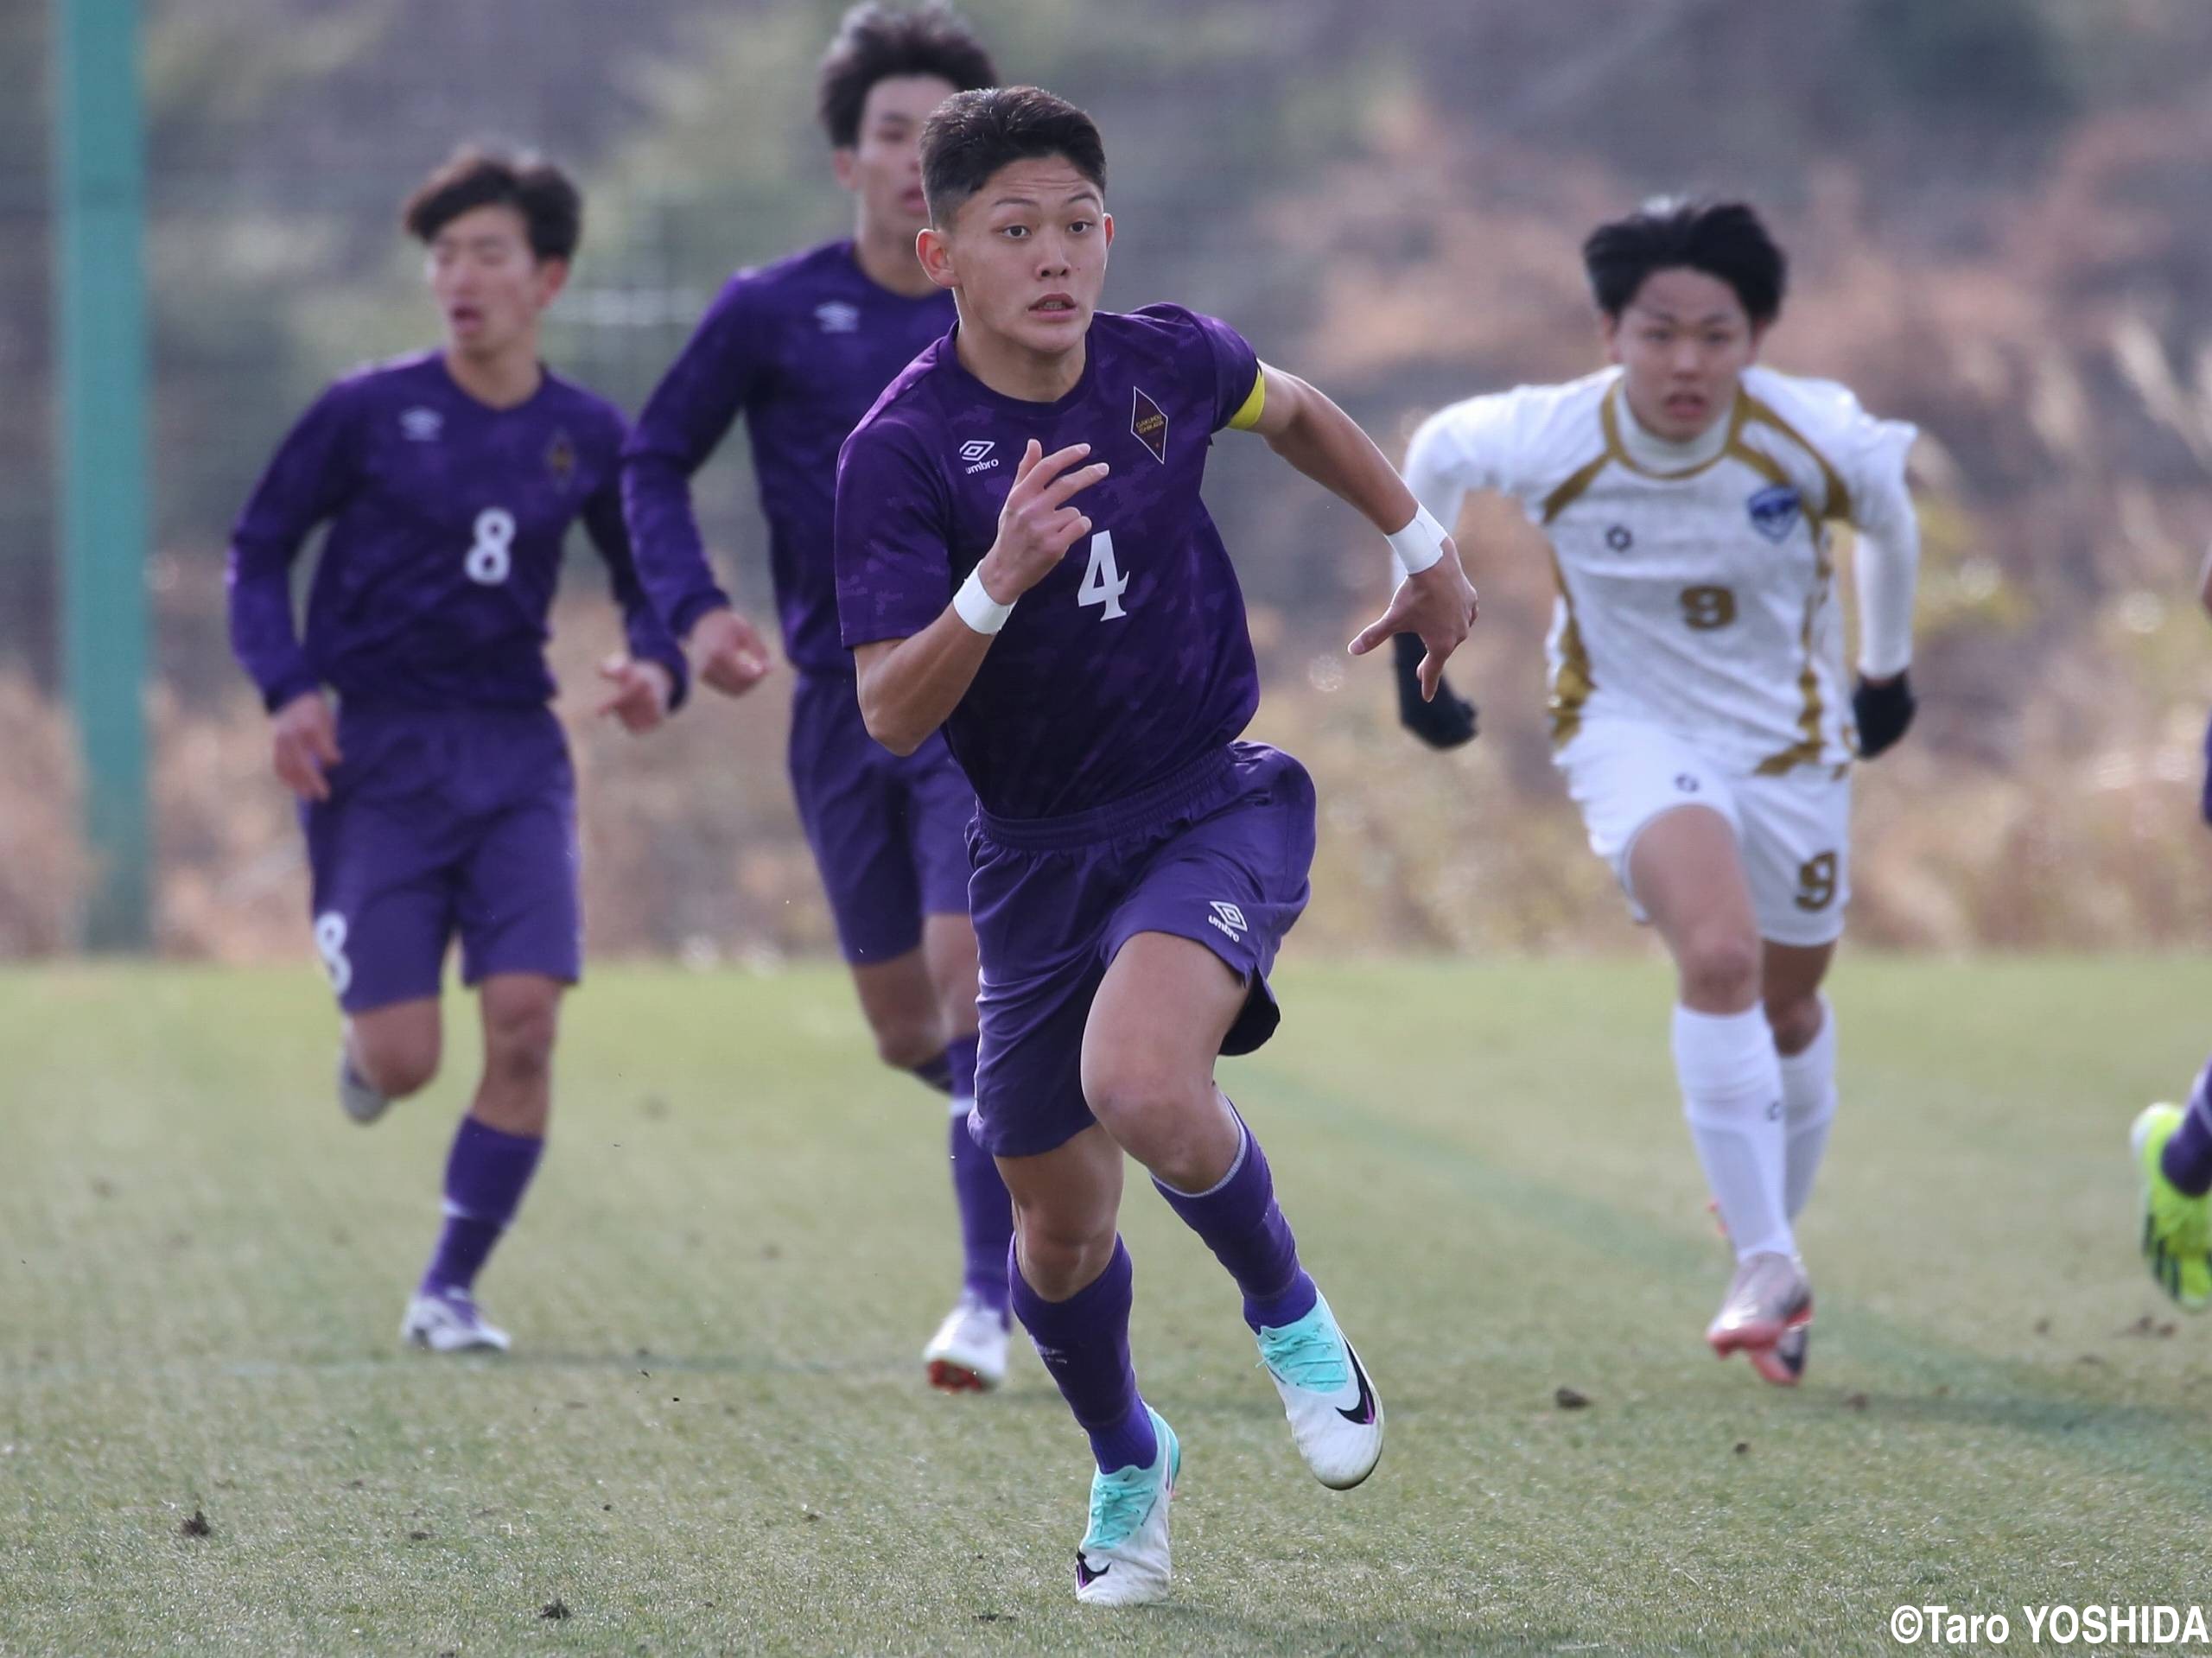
(1808, 1110)
(1732, 1094)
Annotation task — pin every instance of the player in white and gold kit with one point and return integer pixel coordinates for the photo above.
(1699, 709)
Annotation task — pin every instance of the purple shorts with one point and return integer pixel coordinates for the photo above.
(444, 822)
(1217, 853)
(889, 835)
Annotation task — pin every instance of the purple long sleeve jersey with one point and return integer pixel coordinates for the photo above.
(802, 348)
(447, 520)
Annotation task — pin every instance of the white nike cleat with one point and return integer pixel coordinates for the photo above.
(447, 1321)
(1335, 1417)
(1122, 1560)
(1769, 1296)
(355, 1098)
(968, 1353)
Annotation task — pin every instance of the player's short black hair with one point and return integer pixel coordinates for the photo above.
(551, 207)
(974, 134)
(1724, 239)
(876, 42)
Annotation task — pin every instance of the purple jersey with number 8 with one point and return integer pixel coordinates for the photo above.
(1129, 660)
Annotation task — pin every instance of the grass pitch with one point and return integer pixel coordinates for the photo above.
(713, 1435)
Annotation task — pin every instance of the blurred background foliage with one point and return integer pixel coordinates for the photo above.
(1994, 209)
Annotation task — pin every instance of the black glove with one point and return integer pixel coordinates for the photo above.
(1444, 723)
(1884, 713)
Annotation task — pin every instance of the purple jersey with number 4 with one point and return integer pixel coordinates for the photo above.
(447, 520)
(1129, 660)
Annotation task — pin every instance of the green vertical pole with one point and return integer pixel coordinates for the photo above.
(100, 359)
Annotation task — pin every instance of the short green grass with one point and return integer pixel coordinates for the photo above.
(713, 1436)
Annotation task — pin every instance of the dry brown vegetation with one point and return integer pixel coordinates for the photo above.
(2055, 354)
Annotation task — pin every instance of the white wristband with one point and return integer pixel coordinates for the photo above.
(1420, 544)
(977, 607)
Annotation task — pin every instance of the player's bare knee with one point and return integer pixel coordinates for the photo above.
(519, 1037)
(1720, 971)
(1149, 1109)
(1061, 1252)
(1795, 1021)
(397, 1063)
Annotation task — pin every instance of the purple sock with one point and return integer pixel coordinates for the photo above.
(986, 1214)
(960, 1065)
(2187, 1160)
(1238, 1218)
(486, 1174)
(1084, 1343)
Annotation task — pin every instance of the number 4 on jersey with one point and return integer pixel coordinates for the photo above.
(1103, 582)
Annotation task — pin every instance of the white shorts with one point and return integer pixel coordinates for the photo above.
(1794, 830)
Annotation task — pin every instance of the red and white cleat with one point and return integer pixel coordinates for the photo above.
(1768, 1299)
(968, 1353)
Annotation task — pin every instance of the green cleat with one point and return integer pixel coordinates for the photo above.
(2177, 1227)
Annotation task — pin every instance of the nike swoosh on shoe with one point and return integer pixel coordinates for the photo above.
(1362, 1415)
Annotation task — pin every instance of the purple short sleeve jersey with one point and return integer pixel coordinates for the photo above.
(801, 348)
(1131, 657)
(447, 520)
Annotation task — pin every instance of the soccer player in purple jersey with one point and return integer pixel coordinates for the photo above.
(1023, 558)
(438, 799)
(802, 347)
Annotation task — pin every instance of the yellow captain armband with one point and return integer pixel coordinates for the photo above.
(1248, 413)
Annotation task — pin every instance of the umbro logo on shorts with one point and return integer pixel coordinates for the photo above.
(1231, 920)
(975, 451)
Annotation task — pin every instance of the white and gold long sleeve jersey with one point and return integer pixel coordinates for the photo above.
(1696, 579)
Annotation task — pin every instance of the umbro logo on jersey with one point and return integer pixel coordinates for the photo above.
(1774, 511)
(422, 425)
(1619, 538)
(1231, 920)
(976, 452)
(838, 317)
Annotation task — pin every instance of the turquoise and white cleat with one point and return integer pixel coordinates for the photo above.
(2177, 1228)
(1124, 1559)
(1335, 1417)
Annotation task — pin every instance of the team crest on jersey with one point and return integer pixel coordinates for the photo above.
(421, 425)
(561, 458)
(838, 317)
(1774, 511)
(1150, 426)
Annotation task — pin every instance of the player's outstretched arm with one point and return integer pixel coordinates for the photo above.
(1888, 570)
(909, 687)
(1435, 601)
